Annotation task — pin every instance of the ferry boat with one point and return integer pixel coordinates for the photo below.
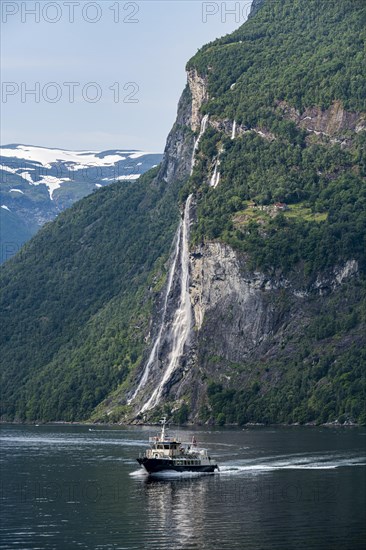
(170, 454)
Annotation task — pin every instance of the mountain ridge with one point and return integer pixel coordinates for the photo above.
(37, 183)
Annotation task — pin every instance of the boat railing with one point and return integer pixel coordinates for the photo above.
(158, 439)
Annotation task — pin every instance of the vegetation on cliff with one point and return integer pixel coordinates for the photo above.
(293, 201)
(325, 179)
(302, 55)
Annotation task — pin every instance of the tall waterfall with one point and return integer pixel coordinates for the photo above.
(181, 324)
(155, 350)
(197, 142)
(178, 331)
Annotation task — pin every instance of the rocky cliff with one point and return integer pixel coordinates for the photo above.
(240, 317)
(249, 327)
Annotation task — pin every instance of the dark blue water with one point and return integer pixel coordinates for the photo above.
(66, 487)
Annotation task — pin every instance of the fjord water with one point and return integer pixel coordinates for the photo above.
(66, 487)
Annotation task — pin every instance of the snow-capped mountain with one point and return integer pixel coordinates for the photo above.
(38, 182)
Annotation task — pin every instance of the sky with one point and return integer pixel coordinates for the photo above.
(101, 75)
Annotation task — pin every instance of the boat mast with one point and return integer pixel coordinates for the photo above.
(163, 421)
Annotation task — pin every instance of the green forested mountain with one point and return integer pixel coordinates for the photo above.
(73, 313)
(299, 55)
(278, 240)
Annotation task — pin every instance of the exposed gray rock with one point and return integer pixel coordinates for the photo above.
(231, 303)
(198, 87)
(334, 121)
(256, 6)
(176, 162)
(326, 283)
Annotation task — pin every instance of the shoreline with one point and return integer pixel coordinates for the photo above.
(208, 426)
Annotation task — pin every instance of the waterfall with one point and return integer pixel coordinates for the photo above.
(234, 130)
(197, 142)
(155, 350)
(182, 320)
(181, 323)
(216, 175)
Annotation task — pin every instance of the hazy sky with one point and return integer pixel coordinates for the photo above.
(104, 74)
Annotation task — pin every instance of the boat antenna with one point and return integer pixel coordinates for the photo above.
(163, 422)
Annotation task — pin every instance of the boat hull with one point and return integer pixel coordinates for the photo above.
(155, 465)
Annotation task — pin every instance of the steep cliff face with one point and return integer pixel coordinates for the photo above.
(169, 337)
(240, 317)
(176, 162)
(256, 333)
(199, 94)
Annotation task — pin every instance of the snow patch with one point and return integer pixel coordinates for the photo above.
(27, 176)
(130, 177)
(5, 207)
(51, 183)
(8, 169)
(47, 157)
(118, 178)
(16, 191)
(140, 154)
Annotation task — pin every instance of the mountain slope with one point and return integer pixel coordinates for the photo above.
(37, 183)
(13, 232)
(263, 318)
(80, 309)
